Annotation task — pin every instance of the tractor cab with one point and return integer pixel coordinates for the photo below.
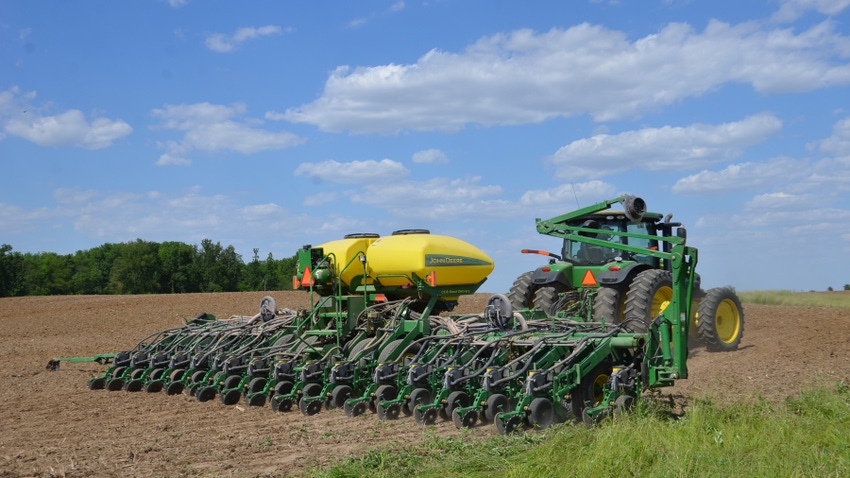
(584, 254)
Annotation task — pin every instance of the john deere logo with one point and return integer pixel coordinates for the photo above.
(435, 260)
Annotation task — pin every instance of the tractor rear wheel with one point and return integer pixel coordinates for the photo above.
(648, 296)
(525, 295)
(609, 304)
(720, 320)
(521, 292)
(546, 299)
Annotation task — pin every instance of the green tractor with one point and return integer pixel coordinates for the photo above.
(628, 282)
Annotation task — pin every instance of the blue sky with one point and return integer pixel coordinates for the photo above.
(270, 125)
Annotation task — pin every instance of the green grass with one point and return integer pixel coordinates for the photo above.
(785, 297)
(805, 436)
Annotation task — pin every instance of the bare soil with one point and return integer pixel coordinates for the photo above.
(52, 425)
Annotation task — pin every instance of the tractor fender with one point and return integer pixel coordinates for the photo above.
(623, 276)
(543, 276)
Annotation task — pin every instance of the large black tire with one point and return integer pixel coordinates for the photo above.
(650, 293)
(610, 305)
(546, 299)
(525, 295)
(521, 292)
(720, 320)
(591, 389)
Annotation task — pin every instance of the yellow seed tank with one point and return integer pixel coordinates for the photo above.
(393, 260)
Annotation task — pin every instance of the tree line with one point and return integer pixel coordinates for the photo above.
(141, 267)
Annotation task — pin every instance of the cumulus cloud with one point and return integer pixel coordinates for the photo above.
(209, 127)
(527, 77)
(839, 143)
(430, 156)
(742, 176)
(15, 219)
(661, 149)
(20, 117)
(563, 197)
(435, 199)
(222, 43)
(117, 216)
(790, 10)
(354, 172)
(781, 201)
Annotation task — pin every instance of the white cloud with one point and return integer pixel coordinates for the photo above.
(355, 172)
(222, 43)
(209, 127)
(782, 202)
(839, 143)
(742, 176)
(430, 156)
(117, 216)
(19, 117)
(661, 149)
(319, 199)
(562, 197)
(436, 199)
(528, 77)
(790, 10)
(15, 219)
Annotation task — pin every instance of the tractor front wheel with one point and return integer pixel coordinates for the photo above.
(720, 320)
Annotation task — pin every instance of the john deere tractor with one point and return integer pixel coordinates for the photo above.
(627, 282)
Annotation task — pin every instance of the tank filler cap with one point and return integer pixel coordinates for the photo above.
(402, 232)
(362, 235)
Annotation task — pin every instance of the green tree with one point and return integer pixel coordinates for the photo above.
(179, 272)
(271, 281)
(220, 268)
(285, 271)
(11, 264)
(253, 278)
(91, 269)
(136, 269)
(46, 273)
(232, 268)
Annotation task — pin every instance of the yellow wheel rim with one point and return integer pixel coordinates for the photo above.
(598, 391)
(727, 321)
(660, 301)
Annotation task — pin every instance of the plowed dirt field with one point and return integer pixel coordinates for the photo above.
(51, 424)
